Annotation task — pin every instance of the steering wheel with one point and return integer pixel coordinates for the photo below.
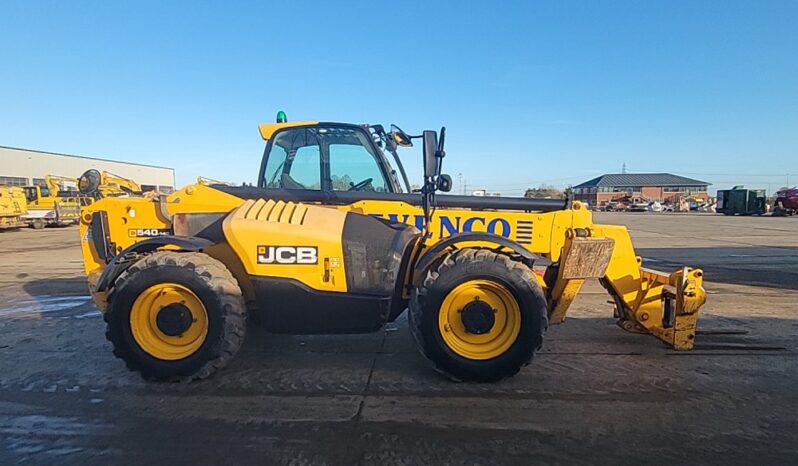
(360, 185)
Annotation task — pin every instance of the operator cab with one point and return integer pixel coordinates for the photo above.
(326, 157)
(32, 193)
(340, 163)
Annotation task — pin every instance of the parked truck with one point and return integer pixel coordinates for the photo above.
(741, 201)
(786, 202)
(52, 204)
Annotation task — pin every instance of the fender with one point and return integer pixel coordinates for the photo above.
(130, 255)
(435, 251)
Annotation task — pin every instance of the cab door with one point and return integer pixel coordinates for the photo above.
(32, 195)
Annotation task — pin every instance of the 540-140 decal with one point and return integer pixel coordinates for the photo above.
(148, 232)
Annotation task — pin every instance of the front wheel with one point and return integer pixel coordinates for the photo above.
(480, 316)
(176, 316)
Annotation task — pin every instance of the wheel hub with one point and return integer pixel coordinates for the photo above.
(174, 319)
(478, 317)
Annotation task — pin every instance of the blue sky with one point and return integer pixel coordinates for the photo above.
(531, 92)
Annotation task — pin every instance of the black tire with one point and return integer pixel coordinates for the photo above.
(37, 224)
(211, 282)
(475, 264)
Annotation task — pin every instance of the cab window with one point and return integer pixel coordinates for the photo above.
(353, 167)
(30, 194)
(329, 158)
(294, 163)
(305, 167)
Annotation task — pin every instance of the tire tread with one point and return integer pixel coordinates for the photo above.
(470, 257)
(219, 279)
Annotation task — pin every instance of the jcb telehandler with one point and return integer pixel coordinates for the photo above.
(330, 241)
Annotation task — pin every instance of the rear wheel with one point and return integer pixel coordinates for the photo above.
(176, 316)
(480, 316)
(37, 224)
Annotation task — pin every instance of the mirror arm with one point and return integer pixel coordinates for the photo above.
(427, 204)
(439, 154)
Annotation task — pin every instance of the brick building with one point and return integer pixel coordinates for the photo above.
(662, 187)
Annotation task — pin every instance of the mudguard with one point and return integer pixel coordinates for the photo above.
(130, 255)
(429, 256)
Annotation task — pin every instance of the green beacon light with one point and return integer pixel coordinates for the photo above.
(281, 118)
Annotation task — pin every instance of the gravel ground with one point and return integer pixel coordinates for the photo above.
(594, 394)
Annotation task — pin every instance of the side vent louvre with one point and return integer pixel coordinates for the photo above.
(277, 212)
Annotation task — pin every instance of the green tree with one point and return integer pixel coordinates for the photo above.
(544, 192)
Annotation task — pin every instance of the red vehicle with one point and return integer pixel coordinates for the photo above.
(786, 202)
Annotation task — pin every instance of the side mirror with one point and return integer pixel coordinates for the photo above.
(89, 182)
(430, 148)
(444, 183)
(399, 137)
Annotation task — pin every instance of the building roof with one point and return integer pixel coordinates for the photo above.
(58, 154)
(640, 179)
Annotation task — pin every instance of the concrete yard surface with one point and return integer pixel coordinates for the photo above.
(593, 395)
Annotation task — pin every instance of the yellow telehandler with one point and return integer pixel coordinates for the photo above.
(333, 240)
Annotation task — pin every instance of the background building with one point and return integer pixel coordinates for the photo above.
(20, 167)
(662, 187)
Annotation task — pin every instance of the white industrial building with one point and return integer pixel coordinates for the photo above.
(21, 167)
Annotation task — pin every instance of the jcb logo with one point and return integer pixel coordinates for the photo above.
(288, 255)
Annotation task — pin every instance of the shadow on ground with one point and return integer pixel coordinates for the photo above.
(77, 286)
(773, 267)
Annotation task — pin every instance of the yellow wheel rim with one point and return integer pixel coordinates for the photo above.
(152, 338)
(495, 341)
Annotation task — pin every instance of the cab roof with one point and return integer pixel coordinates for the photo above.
(268, 129)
